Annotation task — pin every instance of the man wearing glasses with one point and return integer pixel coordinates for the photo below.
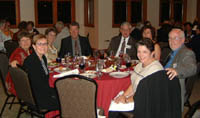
(124, 43)
(181, 62)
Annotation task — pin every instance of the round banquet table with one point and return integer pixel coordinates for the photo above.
(108, 88)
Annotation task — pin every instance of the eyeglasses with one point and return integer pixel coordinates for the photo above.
(42, 44)
(175, 38)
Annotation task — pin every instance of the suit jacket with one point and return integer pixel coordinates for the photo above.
(45, 96)
(195, 43)
(163, 33)
(115, 42)
(158, 97)
(66, 46)
(185, 64)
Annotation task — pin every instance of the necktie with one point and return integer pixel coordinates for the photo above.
(76, 48)
(169, 60)
(123, 45)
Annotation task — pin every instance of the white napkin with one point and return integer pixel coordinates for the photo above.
(120, 106)
(99, 116)
(84, 57)
(75, 71)
(108, 70)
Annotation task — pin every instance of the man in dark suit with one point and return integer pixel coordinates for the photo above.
(182, 61)
(75, 44)
(124, 43)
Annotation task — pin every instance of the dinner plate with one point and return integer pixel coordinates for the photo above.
(90, 71)
(60, 69)
(119, 74)
(90, 75)
(52, 64)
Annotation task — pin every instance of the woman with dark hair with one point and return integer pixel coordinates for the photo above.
(21, 27)
(31, 29)
(149, 32)
(18, 56)
(145, 67)
(36, 67)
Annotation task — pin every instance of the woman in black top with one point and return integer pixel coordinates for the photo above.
(36, 67)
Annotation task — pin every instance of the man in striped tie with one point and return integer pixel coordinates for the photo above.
(123, 43)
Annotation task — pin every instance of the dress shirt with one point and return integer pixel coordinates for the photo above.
(79, 46)
(120, 45)
(173, 54)
(3, 38)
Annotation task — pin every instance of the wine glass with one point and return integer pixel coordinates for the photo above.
(111, 54)
(121, 54)
(67, 58)
(128, 62)
(118, 64)
(99, 67)
(101, 54)
(82, 64)
(95, 54)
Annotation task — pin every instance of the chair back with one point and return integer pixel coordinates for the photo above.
(164, 55)
(10, 46)
(189, 85)
(4, 63)
(77, 97)
(22, 85)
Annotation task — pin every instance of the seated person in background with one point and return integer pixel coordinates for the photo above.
(63, 32)
(189, 33)
(149, 32)
(36, 67)
(124, 43)
(195, 43)
(21, 27)
(136, 32)
(52, 52)
(7, 30)
(31, 29)
(147, 66)
(181, 62)
(163, 31)
(3, 37)
(18, 56)
(75, 44)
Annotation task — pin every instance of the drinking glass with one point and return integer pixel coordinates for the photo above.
(99, 67)
(82, 64)
(121, 54)
(127, 60)
(101, 54)
(111, 54)
(95, 54)
(118, 64)
(67, 57)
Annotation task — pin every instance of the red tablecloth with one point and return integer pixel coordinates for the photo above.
(108, 88)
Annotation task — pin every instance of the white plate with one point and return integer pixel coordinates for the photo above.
(60, 69)
(52, 64)
(119, 74)
(90, 72)
(90, 75)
